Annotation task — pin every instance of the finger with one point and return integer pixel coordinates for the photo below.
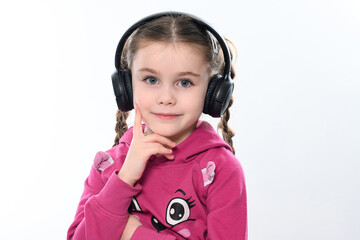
(160, 139)
(137, 131)
(169, 156)
(157, 148)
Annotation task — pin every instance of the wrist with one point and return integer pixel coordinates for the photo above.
(125, 178)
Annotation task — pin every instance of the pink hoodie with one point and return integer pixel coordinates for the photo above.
(200, 194)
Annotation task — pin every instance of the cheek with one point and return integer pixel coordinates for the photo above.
(195, 104)
(201, 98)
(139, 96)
(143, 101)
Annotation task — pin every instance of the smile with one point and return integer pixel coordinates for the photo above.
(166, 116)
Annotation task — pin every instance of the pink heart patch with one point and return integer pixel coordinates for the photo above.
(208, 173)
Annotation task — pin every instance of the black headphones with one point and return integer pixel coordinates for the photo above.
(220, 87)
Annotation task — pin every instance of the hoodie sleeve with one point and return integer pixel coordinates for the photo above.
(102, 212)
(226, 202)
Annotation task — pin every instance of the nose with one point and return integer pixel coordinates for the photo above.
(167, 96)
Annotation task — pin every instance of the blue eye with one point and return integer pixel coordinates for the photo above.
(184, 83)
(151, 80)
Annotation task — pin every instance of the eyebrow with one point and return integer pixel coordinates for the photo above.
(180, 73)
(180, 190)
(147, 70)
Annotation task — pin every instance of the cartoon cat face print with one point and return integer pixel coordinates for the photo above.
(178, 211)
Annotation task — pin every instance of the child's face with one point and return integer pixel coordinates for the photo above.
(169, 84)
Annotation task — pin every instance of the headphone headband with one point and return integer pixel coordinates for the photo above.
(202, 23)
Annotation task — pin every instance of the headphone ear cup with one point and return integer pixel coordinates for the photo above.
(123, 89)
(218, 95)
(210, 92)
(128, 86)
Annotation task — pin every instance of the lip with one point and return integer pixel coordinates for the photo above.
(166, 116)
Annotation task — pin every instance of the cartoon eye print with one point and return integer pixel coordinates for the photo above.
(157, 224)
(134, 206)
(178, 210)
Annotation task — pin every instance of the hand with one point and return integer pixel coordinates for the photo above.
(130, 227)
(141, 149)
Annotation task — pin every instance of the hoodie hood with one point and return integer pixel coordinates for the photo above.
(200, 140)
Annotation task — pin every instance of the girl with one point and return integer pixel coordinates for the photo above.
(173, 177)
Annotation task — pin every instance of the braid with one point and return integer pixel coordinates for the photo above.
(227, 132)
(121, 125)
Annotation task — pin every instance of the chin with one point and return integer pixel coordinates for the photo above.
(166, 133)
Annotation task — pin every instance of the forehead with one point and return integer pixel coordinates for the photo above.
(155, 54)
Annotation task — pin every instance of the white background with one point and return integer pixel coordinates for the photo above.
(296, 112)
